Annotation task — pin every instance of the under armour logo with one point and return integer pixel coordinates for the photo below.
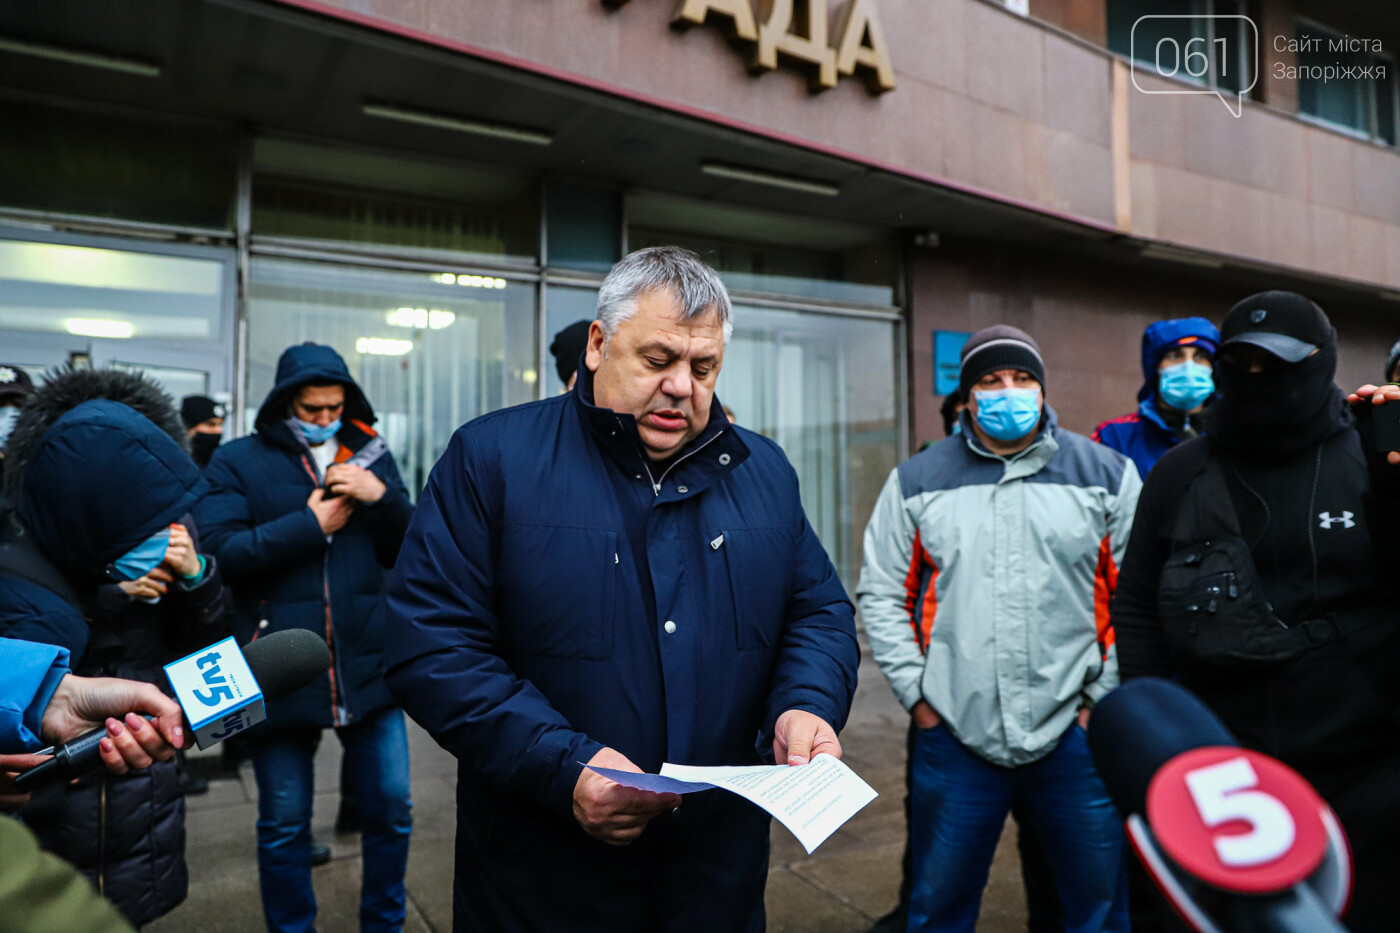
(1327, 521)
(7, 374)
(1257, 316)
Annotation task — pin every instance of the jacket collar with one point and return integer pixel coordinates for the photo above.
(1147, 409)
(708, 458)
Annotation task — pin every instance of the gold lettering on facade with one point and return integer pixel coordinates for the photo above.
(738, 13)
(809, 45)
(797, 30)
(863, 45)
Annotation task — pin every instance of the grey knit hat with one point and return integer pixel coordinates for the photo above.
(999, 347)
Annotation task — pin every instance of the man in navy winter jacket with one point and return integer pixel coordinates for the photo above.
(618, 576)
(305, 516)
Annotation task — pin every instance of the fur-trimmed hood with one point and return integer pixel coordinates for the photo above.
(96, 463)
(65, 389)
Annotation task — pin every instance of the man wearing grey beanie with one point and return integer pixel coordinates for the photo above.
(990, 561)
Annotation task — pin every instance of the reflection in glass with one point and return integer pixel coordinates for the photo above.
(429, 355)
(823, 387)
(564, 305)
(89, 291)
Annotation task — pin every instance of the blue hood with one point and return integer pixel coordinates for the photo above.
(1162, 336)
(99, 481)
(311, 364)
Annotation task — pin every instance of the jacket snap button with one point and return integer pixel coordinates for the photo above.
(670, 627)
(724, 459)
(682, 489)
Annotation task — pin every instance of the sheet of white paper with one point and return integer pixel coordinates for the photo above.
(811, 800)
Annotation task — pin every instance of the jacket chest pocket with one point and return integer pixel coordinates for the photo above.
(754, 569)
(557, 590)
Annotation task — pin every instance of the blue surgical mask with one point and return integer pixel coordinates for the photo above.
(8, 416)
(142, 559)
(318, 433)
(1185, 385)
(1008, 414)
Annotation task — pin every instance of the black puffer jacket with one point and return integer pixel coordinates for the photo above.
(126, 833)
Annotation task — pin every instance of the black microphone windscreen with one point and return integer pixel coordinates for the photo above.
(286, 661)
(1141, 726)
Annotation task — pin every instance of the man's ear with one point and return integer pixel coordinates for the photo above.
(593, 355)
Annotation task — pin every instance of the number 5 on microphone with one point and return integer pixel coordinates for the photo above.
(1237, 819)
(1227, 792)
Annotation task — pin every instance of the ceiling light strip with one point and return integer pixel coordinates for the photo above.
(757, 177)
(458, 124)
(57, 53)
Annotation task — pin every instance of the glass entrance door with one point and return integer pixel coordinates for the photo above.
(430, 350)
(823, 387)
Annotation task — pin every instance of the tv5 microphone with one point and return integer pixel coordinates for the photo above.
(221, 690)
(1237, 841)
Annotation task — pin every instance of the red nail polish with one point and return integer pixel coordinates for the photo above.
(107, 745)
(135, 722)
(114, 728)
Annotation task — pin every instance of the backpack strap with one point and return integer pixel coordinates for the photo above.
(1207, 509)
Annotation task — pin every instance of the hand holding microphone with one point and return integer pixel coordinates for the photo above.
(122, 739)
(280, 663)
(81, 704)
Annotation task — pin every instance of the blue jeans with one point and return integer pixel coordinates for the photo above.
(377, 752)
(959, 806)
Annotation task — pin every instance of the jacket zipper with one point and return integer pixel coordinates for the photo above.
(102, 840)
(656, 483)
(330, 638)
(326, 597)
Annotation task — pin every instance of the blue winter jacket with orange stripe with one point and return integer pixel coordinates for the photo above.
(987, 580)
(283, 571)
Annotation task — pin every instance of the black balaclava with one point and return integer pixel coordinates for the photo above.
(202, 447)
(1288, 407)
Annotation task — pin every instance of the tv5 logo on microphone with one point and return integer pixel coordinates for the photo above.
(217, 691)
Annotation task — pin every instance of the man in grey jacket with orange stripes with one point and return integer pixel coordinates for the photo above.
(990, 561)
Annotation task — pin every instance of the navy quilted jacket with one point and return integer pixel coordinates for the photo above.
(280, 566)
(554, 597)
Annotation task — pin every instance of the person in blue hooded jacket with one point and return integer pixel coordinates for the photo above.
(306, 515)
(1178, 383)
(618, 576)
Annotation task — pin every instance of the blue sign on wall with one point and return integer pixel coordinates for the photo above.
(947, 352)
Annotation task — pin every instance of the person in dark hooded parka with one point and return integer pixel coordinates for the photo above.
(298, 558)
(102, 491)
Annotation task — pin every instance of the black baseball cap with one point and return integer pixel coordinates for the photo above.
(1285, 323)
(197, 409)
(15, 383)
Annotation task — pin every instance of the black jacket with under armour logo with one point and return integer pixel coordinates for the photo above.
(1308, 519)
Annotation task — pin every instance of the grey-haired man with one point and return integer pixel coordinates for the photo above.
(618, 576)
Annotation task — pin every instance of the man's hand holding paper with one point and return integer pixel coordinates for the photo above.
(611, 812)
(800, 736)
